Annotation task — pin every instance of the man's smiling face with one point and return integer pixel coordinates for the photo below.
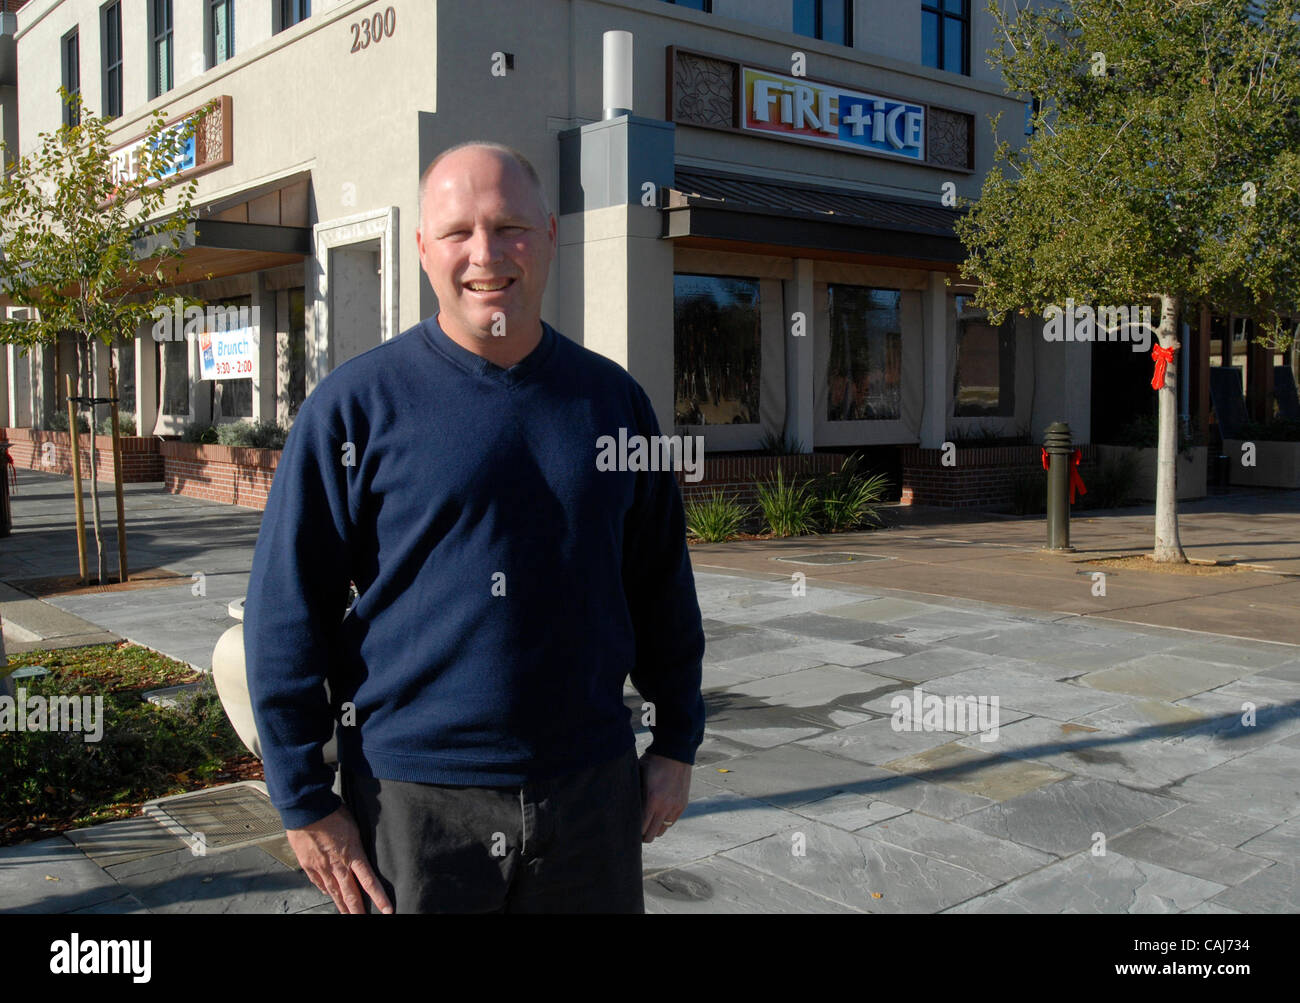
(486, 243)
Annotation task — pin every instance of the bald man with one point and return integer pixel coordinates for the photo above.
(507, 586)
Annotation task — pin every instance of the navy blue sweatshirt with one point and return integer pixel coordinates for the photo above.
(507, 586)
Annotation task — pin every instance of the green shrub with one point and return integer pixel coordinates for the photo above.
(58, 773)
(788, 509)
(780, 445)
(261, 434)
(1144, 433)
(197, 432)
(715, 518)
(1029, 491)
(847, 499)
(1114, 482)
(1277, 430)
(987, 434)
(125, 425)
(59, 422)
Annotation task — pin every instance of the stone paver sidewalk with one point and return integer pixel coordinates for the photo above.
(1133, 767)
(1122, 777)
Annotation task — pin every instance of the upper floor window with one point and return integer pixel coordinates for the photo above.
(290, 12)
(71, 49)
(1033, 112)
(704, 5)
(945, 35)
(160, 46)
(111, 37)
(221, 31)
(829, 20)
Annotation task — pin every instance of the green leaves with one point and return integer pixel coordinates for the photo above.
(1176, 169)
(68, 220)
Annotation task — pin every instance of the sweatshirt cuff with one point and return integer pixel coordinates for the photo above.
(310, 809)
(678, 747)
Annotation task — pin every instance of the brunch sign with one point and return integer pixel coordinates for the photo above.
(798, 108)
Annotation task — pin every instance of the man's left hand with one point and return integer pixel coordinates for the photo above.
(665, 788)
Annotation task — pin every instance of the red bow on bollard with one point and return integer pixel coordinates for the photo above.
(1163, 357)
(1076, 480)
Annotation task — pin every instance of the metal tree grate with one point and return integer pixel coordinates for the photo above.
(833, 558)
(222, 817)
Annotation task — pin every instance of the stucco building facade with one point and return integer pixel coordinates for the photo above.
(765, 241)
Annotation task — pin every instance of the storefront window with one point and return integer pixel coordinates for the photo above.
(866, 355)
(984, 380)
(297, 349)
(716, 350)
(233, 398)
(124, 359)
(1218, 339)
(175, 368)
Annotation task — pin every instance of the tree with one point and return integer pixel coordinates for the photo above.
(70, 220)
(1164, 167)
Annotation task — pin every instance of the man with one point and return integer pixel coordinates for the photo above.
(506, 587)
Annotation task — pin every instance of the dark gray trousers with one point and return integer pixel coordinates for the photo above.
(570, 843)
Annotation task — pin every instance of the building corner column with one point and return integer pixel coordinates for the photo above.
(934, 408)
(800, 356)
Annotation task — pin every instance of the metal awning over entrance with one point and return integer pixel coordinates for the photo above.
(717, 210)
(215, 248)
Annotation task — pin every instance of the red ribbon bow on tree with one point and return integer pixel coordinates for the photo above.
(1076, 480)
(1163, 357)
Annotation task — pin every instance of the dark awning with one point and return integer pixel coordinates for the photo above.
(218, 248)
(215, 249)
(714, 206)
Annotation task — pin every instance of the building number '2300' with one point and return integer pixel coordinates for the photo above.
(373, 29)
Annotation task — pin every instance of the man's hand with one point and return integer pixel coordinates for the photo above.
(665, 788)
(331, 854)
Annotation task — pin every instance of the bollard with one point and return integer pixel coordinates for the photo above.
(6, 513)
(229, 675)
(1057, 443)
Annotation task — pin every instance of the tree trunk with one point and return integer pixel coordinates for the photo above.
(94, 466)
(1168, 549)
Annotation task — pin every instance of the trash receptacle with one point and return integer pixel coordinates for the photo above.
(6, 472)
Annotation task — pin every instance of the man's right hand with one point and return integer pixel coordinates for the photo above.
(330, 851)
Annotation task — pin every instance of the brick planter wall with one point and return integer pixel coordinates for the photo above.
(735, 476)
(234, 475)
(981, 477)
(141, 461)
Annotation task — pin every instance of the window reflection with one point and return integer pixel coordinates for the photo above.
(984, 378)
(866, 354)
(716, 350)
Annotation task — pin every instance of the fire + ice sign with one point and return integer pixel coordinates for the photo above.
(797, 108)
(227, 355)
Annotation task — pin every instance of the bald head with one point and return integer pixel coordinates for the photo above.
(486, 240)
(464, 155)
